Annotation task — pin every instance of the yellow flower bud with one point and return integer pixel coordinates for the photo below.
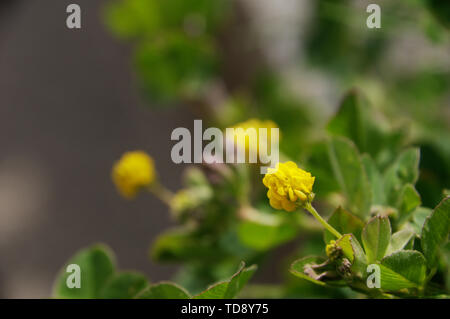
(289, 186)
(132, 172)
(330, 248)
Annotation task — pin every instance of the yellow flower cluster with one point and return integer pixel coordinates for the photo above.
(243, 138)
(133, 171)
(330, 249)
(289, 186)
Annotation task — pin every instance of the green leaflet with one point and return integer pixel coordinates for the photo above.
(350, 121)
(164, 290)
(350, 174)
(402, 269)
(435, 231)
(180, 244)
(376, 236)
(407, 202)
(399, 240)
(345, 223)
(125, 285)
(229, 289)
(97, 267)
(405, 170)
(299, 268)
(375, 179)
(262, 236)
(360, 259)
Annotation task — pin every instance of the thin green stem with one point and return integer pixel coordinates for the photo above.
(161, 192)
(316, 215)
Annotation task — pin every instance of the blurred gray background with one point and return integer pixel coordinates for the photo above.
(68, 108)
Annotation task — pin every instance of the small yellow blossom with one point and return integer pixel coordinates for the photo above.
(253, 143)
(132, 172)
(330, 249)
(289, 186)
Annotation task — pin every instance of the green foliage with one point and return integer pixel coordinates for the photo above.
(353, 120)
(435, 231)
(304, 268)
(376, 237)
(405, 170)
(366, 158)
(403, 269)
(180, 244)
(399, 240)
(97, 268)
(164, 290)
(175, 54)
(229, 289)
(124, 285)
(349, 172)
(265, 234)
(99, 279)
(441, 10)
(408, 201)
(375, 178)
(175, 65)
(345, 223)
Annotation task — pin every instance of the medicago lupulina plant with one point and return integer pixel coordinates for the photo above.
(360, 169)
(378, 239)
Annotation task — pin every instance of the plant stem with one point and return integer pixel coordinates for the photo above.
(161, 192)
(316, 215)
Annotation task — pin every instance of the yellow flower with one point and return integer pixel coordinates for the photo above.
(330, 249)
(132, 172)
(289, 186)
(253, 143)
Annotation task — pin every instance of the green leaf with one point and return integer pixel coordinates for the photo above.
(350, 174)
(405, 170)
(399, 240)
(132, 18)
(262, 237)
(435, 231)
(180, 244)
(302, 268)
(375, 179)
(446, 253)
(175, 64)
(420, 214)
(97, 267)
(345, 223)
(402, 269)
(441, 10)
(125, 285)
(376, 236)
(164, 290)
(344, 243)
(350, 120)
(408, 201)
(216, 291)
(355, 121)
(359, 264)
(229, 289)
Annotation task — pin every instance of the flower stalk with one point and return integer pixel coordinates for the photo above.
(161, 192)
(319, 218)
